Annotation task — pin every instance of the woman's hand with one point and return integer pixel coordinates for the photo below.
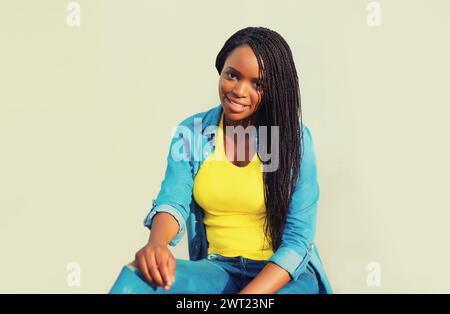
(157, 264)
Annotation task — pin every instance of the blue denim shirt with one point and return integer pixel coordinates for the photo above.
(195, 136)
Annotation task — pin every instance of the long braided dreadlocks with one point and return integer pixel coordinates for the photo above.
(280, 106)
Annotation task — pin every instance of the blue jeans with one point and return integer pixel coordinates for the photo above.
(215, 274)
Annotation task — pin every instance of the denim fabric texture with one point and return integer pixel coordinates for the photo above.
(195, 137)
(216, 274)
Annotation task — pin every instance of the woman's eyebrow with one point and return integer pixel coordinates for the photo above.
(230, 67)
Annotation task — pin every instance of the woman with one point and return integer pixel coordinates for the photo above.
(250, 219)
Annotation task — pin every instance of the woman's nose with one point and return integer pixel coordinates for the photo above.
(240, 89)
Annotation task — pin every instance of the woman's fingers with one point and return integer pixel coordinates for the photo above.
(154, 271)
(171, 265)
(143, 267)
(164, 271)
(157, 265)
(134, 264)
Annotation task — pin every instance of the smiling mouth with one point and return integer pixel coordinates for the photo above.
(239, 106)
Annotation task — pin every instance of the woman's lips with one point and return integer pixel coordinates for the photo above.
(234, 106)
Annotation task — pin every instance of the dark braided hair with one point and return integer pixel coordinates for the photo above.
(280, 106)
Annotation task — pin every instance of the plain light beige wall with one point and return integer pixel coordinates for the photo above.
(86, 115)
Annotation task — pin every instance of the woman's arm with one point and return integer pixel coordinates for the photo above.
(155, 261)
(164, 228)
(297, 240)
(175, 194)
(269, 280)
(291, 258)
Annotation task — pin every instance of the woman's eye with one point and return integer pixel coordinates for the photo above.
(258, 85)
(230, 75)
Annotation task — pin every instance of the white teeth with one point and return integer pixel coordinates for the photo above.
(237, 105)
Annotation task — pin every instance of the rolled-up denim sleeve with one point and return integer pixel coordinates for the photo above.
(297, 240)
(175, 194)
(175, 213)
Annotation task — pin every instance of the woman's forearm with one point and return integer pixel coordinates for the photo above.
(269, 280)
(163, 229)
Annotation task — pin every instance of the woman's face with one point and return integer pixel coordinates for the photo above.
(239, 87)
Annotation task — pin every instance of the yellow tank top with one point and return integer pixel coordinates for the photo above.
(232, 198)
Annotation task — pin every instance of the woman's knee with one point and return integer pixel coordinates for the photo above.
(198, 277)
(130, 282)
(190, 277)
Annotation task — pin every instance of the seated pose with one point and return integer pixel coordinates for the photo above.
(241, 179)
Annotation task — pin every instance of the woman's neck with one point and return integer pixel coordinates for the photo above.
(244, 122)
